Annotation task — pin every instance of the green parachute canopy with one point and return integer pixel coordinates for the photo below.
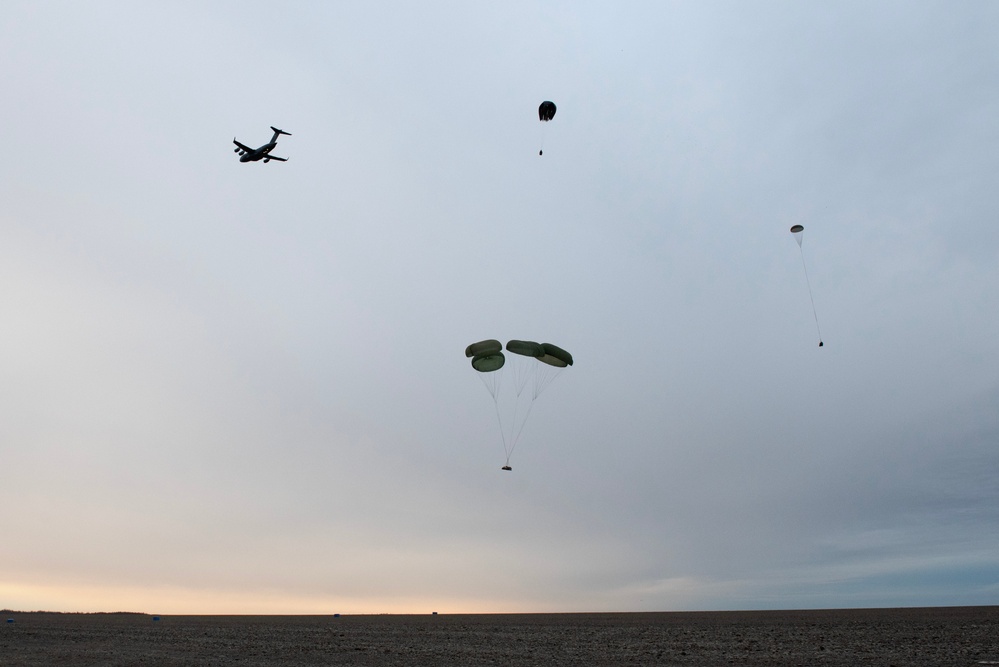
(483, 347)
(525, 348)
(533, 366)
(487, 363)
(555, 356)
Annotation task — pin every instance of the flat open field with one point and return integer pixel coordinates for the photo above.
(903, 637)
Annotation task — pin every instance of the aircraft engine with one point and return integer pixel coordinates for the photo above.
(266, 160)
(236, 150)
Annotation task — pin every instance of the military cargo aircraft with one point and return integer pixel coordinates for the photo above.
(247, 154)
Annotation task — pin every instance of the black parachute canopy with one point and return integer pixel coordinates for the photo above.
(546, 111)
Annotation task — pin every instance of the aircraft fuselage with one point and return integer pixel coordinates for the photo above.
(247, 154)
(257, 154)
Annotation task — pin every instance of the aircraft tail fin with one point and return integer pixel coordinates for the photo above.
(277, 131)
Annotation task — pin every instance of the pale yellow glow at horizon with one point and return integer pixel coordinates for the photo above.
(189, 602)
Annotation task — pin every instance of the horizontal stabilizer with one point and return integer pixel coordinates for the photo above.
(280, 131)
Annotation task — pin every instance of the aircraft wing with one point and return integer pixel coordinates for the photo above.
(243, 146)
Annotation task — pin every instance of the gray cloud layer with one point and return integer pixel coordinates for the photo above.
(233, 387)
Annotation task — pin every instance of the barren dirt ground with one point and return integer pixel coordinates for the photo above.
(960, 636)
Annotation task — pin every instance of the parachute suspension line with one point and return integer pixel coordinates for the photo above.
(491, 381)
(507, 450)
(516, 438)
(810, 297)
(514, 431)
(544, 378)
(499, 419)
(522, 372)
(544, 375)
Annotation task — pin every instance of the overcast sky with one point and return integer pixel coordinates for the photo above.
(241, 388)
